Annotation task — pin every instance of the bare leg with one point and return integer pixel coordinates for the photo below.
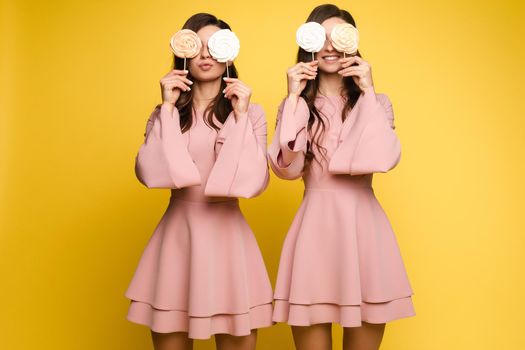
(315, 337)
(366, 337)
(231, 342)
(171, 341)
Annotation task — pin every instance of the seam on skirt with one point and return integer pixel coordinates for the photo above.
(186, 311)
(334, 303)
(226, 201)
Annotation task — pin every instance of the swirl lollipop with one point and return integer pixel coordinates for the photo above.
(345, 38)
(311, 37)
(185, 44)
(224, 47)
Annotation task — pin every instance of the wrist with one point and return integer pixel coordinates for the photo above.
(369, 90)
(294, 96)
(240, 114)
(167, 106)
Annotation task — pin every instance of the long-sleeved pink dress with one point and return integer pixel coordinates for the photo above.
(340, 262)
(202, 271)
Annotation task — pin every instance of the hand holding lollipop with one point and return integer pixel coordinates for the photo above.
(224, 47)
(185, 44)
(311, 37)
(345, 38)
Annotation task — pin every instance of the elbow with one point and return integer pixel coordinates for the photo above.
(289, 176)
(153, 178)
(264, 184)
(395, 157)
(287, 170)
(382, 165)
(257, 188)
(395, 160)
(138, 173)
(248, 182)
(287, 173)
(144, 182)
(376, 155)
(391, 160)
(392, 155)
(142, 174)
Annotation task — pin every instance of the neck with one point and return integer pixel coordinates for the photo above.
(204, 92)
(330, 84)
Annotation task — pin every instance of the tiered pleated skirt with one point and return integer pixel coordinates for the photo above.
(340, 262)
(201, 272)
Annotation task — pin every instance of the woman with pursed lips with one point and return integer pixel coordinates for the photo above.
(202, 273)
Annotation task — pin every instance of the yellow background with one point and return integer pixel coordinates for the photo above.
(79, 79)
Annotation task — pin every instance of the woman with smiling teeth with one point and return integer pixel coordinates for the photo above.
(340, 261)
(202, 273)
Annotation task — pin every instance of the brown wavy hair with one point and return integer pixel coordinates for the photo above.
(221, 107)
(351, 90)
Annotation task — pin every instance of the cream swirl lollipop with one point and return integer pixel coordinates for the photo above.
(185, 44)
(310, 36)
(345, 38)
(224, 46)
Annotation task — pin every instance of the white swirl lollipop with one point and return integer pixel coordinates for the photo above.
(185, 44)
(345, 38)
(224, 46)
(311, 37)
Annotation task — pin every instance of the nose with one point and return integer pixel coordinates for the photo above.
(328, 44)
(204, 51)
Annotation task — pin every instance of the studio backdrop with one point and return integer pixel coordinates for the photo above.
(80, 78)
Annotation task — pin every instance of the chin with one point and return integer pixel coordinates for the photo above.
(207, 76)
(331, 69)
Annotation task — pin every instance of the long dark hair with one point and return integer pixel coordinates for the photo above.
(221, 107)
(351, 90)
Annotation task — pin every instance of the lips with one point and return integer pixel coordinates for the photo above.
(205, 66)
(331, 58)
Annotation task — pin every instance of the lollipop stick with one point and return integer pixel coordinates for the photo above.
(184, 63)
(344, 54)
(227, 70)
(313, 57)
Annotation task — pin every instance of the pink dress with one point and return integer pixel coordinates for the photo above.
(202, 271)
(340, 262)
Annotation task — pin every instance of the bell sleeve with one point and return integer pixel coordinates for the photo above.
(163, 160)
(288, 148)
(371, 145)
(241, 167)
